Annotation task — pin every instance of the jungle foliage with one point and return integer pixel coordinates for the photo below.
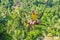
(14, 15)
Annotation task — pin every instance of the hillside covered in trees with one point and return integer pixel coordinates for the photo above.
(15, 14)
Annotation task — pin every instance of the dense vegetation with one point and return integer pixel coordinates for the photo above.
(14, 15)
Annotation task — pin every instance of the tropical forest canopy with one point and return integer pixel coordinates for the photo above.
(14, 15)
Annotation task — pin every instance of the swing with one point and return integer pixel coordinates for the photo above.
(34, 20)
